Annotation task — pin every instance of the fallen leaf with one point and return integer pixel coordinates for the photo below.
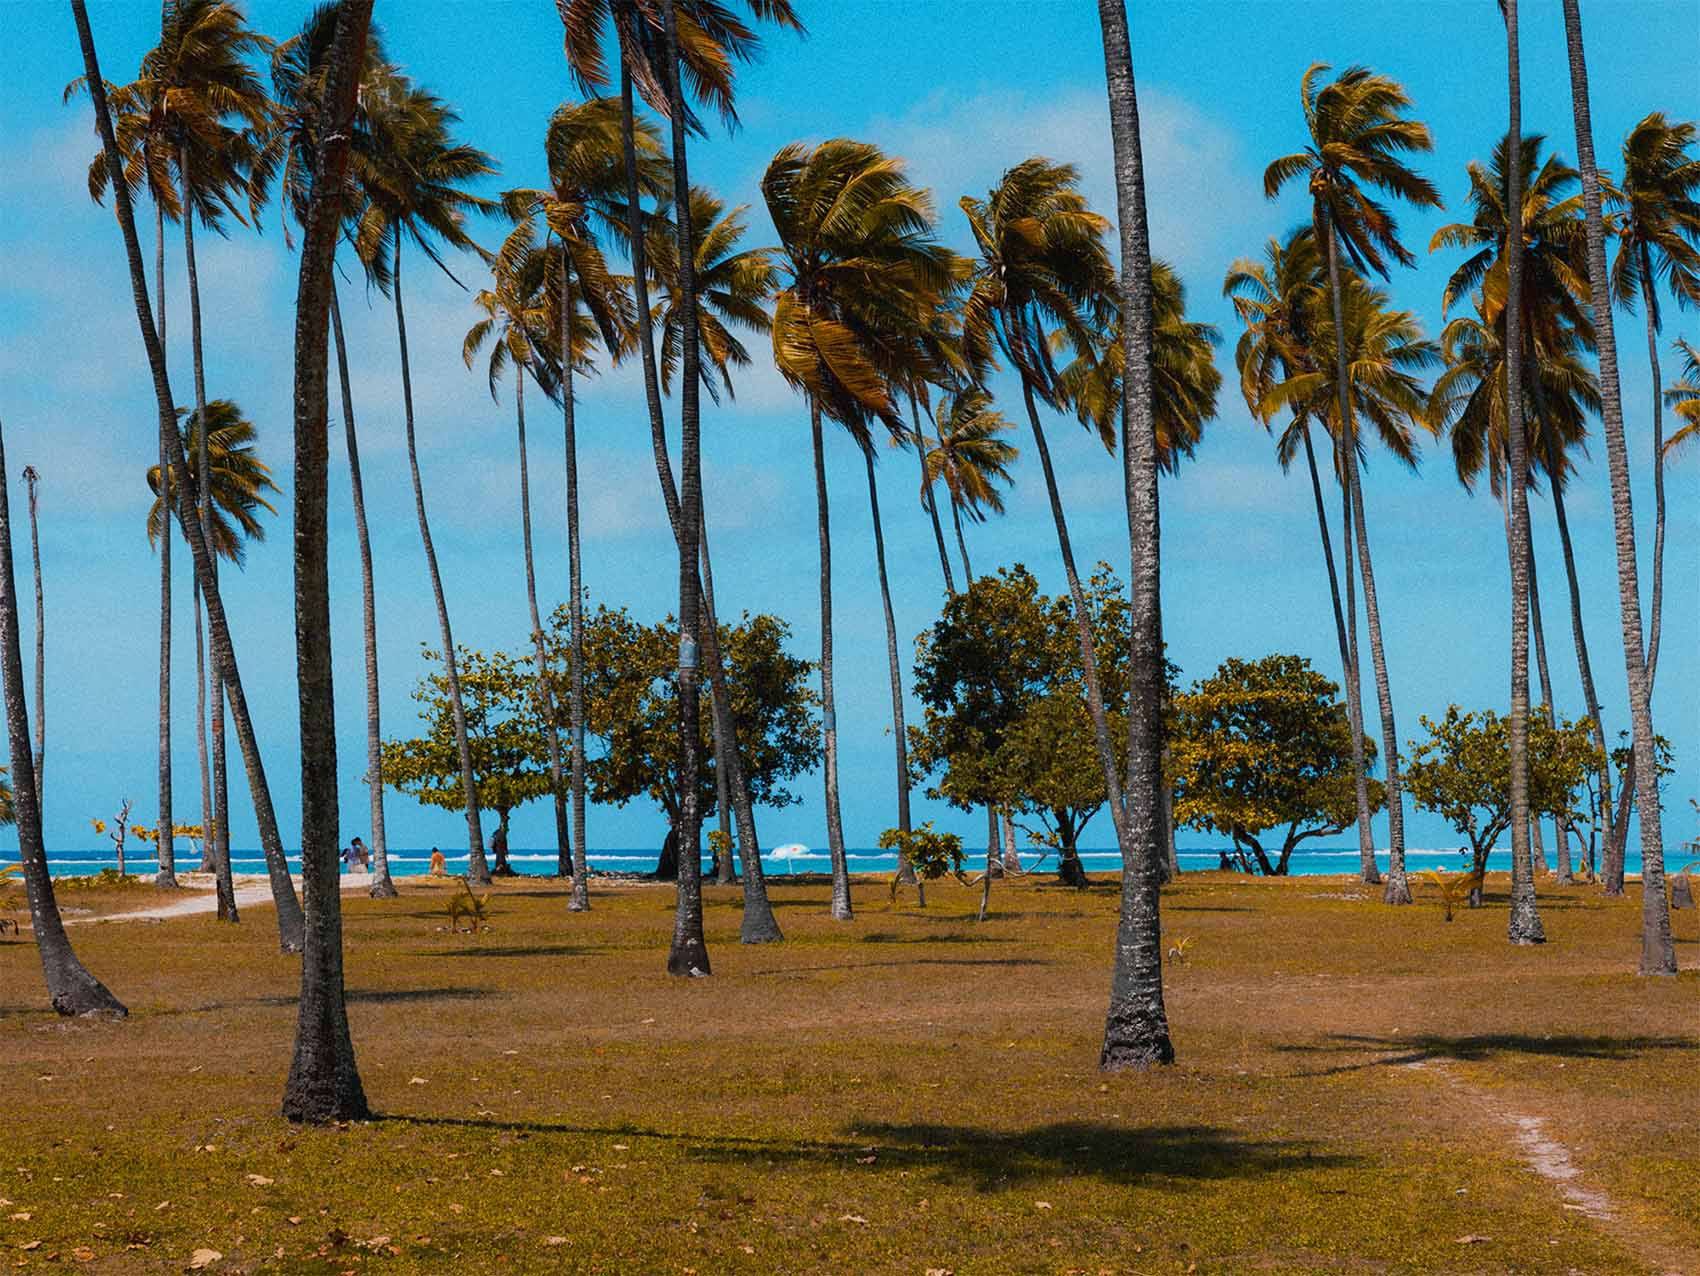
(260, 1180)
(748, 1249)
(22, 1216)
(498, 1174)
(417, 1081)
(866, 1160)
(622, 1147)
(30, 1245)
(456, 1208)
(294, 1220)
(83, 1254)
(1470, 1238)
(554, 1240)
(940, 1271)
(163, 1205)
(203, 1258)
(1042, 1205)
(853, 1218)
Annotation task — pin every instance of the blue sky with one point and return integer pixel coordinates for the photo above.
(962, 90)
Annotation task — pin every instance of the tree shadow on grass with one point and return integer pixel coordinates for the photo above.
(988, 1160)
(530, 950)
(887, 937)
(1393, 1052)
(911, 962)
(395, 996)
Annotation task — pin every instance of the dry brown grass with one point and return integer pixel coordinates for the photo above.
(906, 1092)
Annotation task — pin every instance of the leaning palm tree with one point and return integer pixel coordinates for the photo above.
(512, 311)
(1684, 398)
(858, 267)
(969, 456)
(1658, 954)
(31, 478)
(415, 179)
(1658, 241)
(1359, 135)
(1044, 277)
(1136, 1029)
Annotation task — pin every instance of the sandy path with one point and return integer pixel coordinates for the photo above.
(252, 890)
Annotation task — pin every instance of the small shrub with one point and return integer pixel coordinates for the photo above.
(930, 853)
(1454, 889)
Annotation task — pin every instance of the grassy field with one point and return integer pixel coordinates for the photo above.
(1359, 1090)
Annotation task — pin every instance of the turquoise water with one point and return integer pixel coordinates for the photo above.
(541, 863)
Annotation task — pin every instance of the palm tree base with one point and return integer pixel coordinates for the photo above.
(689, 959)
(1397, 889)
(384, 890)
(1135, 1042)
(759, 926)
(87, 998)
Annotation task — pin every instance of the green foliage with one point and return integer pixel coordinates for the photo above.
(1462, 771)
(108, 879)
(503, 728)
(8, 811)
(1453, 890)
(719, 843)
(1264, 744)
(632, 711)
(930, 853)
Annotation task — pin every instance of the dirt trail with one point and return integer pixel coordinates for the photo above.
(252, 890)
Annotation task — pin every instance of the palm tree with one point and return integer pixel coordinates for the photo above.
(299, 68)
(513, 310)
(1659, 239)
(324, 1082)
(1684, 396)
(858, 264)
(1044, 275)
(1280, 301)
(733, 286)
(414, 180)
(31, 478)
(1358, 134)
(969, 456)
(1658, 954)
(1136, 1029)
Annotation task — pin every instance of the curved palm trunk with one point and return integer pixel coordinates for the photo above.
(1524, 926)
(928, 501)
(545, 699)
(1083, 631)
(892, 665)
(477, 868)
(1136, 1029)
(30, 480)
(579, 901)
(167, 875)
(1347, 459)
(829, 718)
(1658, 955)
(223, 652)
(382, 886)
(1655, 616)
(1327, 546)
(70, 987)
(324, 1081)
(1537, 631)
(1584, 666)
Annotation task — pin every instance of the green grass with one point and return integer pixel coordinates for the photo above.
(909, 1091)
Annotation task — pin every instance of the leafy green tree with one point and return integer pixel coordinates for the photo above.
(1462, 772)
(632, 711)
(504, 734)
(1262, 744)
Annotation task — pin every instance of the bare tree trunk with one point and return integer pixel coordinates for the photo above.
(167, 875)
(1346, 458)
(1584, 666)
(222, 884)
(1328, 560)
(1136, 1029)
(545, 699)
(477, 868)
(829, 719)
(382, 886)
(893, 668)
(1538, 631)
(1655, 616)
(324, 1081)
(933, 514)
(223, 651)
(580, 867)
(991, 860)
(961, 542)
(31, 478)
(1658, 955)
(70, 987)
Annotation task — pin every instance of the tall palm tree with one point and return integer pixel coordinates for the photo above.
(31, 478)
(1280, 300)
(299, 68)
(514, 309)
(733, 286)
(858, 263)
(1136, 1029)
(1684, 397)
(1044, 275)
(1658, 240)
(1524, 926)
(324, 1081)
(970, 457)
(1359, 135)
(415, 180)
(1658, 954)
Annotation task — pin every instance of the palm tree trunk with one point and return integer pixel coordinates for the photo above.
(1658, 955)
(477, 868)
(70, 987)
(223, 651)
(932, 508)
(1136, 1029)
(1327, 551)
(829, 718)
(545, 699)
(580, 899)
(759, 925)
(324, 1081)
(1347, 459)
(892, 665)
(1656, 609)
(382, 886)
(1083, 631)
(209, 844)
(167, 875)
(1584, 666)
(30, 480)
(1537, 631)
(689, 952)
